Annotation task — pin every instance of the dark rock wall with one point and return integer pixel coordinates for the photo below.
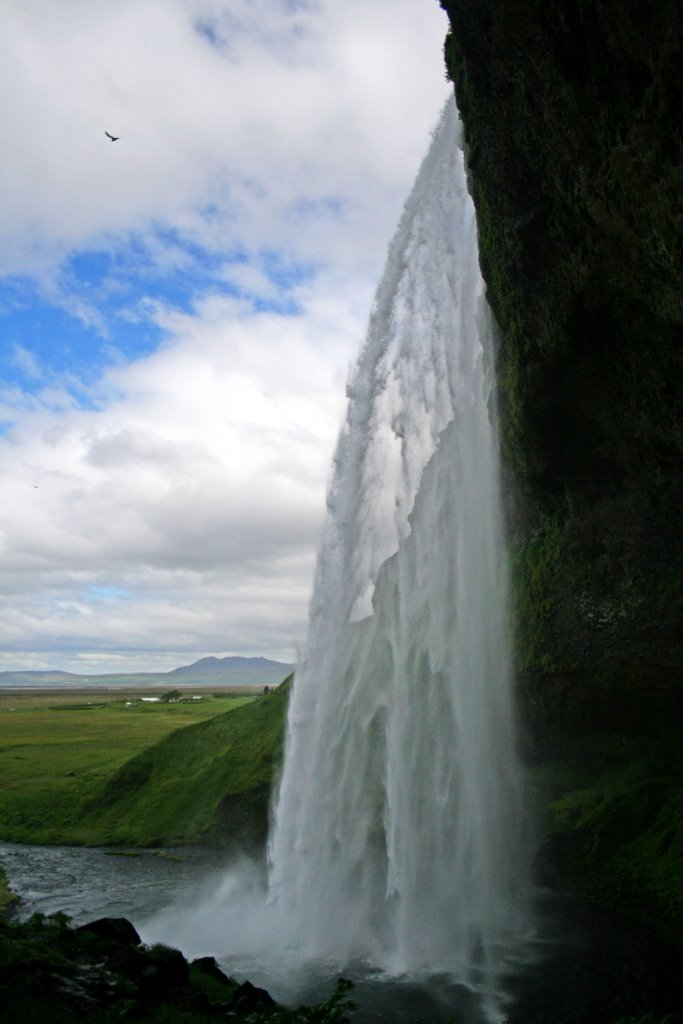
(572, 112)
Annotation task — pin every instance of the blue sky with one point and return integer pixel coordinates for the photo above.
(101, 311)
(179, 309)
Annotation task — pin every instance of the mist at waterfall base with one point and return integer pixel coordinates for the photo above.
(399, 842)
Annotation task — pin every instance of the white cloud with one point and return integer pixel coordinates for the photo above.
(176, 511)
(203, 470)
(338, 107)
(25, 361)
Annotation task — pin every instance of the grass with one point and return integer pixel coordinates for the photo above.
(57, 751)
(207, 784)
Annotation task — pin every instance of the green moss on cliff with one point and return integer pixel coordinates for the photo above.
(614, 827)
(571, 171)
(575, 151)
(535, 567)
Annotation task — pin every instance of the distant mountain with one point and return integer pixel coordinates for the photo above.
(37, 676)
(219, 666)
(231, 671)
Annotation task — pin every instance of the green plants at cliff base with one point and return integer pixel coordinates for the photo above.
(620, 838)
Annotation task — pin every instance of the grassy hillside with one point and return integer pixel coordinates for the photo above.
(149, 774)
(206, 784)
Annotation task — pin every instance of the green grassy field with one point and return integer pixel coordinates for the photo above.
(58, 751)
(207, 784)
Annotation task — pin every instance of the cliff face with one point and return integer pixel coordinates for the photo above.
(572, 116)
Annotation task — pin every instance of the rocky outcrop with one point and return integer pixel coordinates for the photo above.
(101, 971)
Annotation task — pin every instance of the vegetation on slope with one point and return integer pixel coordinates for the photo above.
(614, 824)
(141, 776)
(209, 783)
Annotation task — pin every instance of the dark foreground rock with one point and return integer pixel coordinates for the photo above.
(114, 931)
(101, 972)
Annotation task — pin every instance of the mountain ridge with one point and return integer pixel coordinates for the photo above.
(230, 663)
(233, 669)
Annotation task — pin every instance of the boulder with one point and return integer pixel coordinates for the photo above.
(115, 930)
(247, 998)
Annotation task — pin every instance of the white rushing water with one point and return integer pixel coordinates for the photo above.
(399, 829)
(398, 837)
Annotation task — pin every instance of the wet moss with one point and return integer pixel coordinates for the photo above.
(614, 831)
(535, 567)
(101, 973)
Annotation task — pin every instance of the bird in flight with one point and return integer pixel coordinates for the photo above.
(114, 138)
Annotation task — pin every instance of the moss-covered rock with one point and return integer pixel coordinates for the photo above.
(8, 899)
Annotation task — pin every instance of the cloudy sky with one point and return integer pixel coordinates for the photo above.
(179, 309)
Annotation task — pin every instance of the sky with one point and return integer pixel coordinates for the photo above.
(180, 309)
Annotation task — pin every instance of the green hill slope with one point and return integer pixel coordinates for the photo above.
(205, 784)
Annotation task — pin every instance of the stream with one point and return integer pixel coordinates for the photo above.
(87, 883)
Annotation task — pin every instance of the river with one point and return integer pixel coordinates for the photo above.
(89, 883)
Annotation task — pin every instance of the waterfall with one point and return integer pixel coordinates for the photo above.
(398, 835)
(398, 838)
